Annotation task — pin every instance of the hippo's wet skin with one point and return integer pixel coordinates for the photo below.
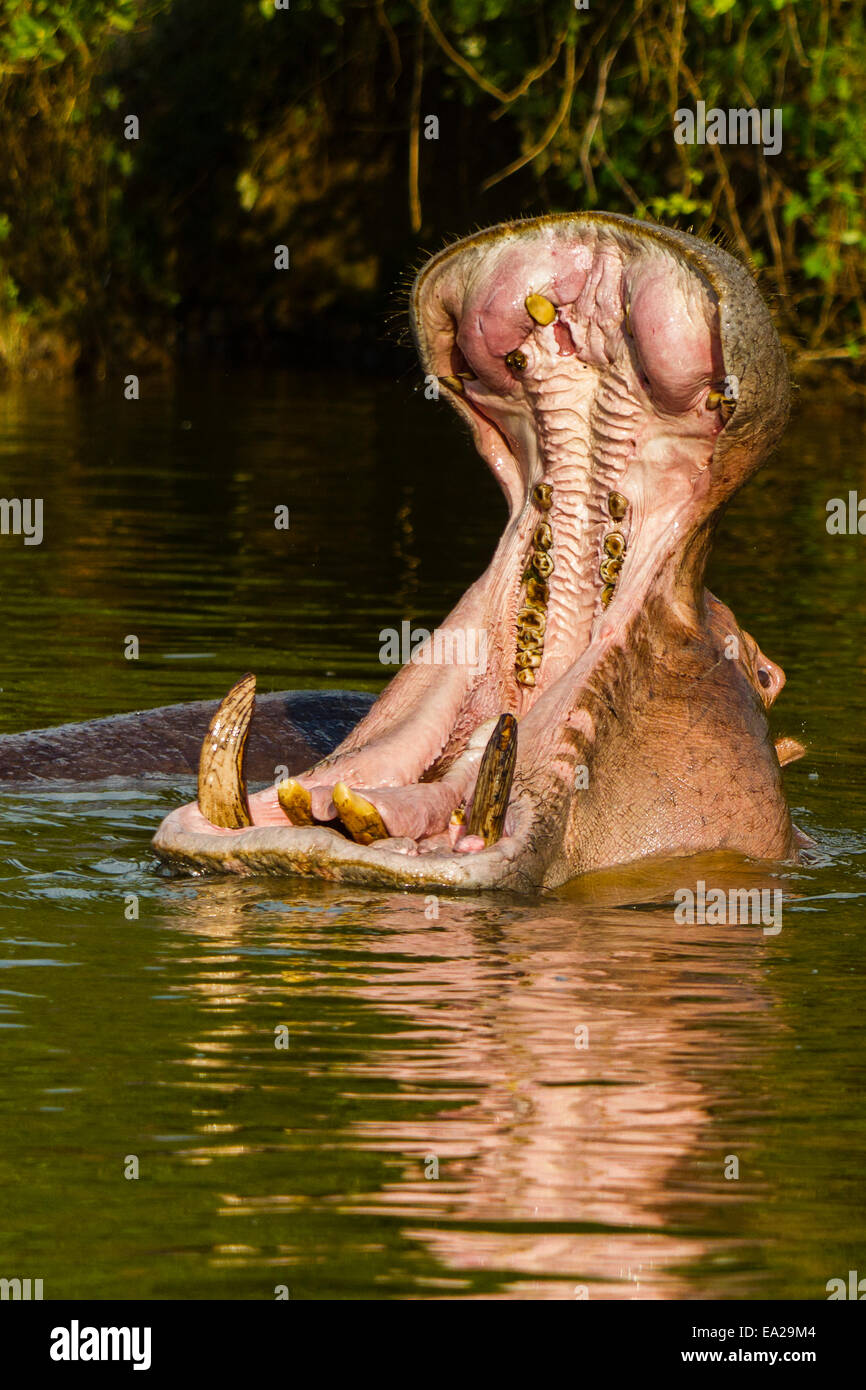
(622, 381)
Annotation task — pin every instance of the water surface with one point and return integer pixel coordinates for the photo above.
(417, 1044)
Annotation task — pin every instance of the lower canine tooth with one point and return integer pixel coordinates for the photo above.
(296, 801)
(222, 789)
(495, 775)
(359, 815)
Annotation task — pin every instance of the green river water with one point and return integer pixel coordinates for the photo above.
(413, 1043)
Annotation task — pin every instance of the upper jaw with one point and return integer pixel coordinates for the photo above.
(610, 280)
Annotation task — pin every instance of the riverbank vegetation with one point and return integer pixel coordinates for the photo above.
(362, 133)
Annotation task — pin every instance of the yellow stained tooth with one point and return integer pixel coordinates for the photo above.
(359, 815)
(607, 594)
(529, 641)
(495, 775)
(543, 537)
(537, 592)
(617, 505)
(532, 619)
(614, 545)
(526, 677)
(453, 383)
(528, 660)
(714, 399)
(222, 787)
(458, 815)
(516, 360)
(542, 563)
(610, 569)
(540, 309)
(542, 496)
(296, 801)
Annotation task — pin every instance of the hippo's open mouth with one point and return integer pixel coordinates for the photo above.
(586, 702)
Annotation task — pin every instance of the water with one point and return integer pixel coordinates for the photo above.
(412, 1043)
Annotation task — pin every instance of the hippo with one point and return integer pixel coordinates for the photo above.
(588, 702)
(621, 380)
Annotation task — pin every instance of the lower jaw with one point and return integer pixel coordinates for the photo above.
(436, 859)
(541, 636)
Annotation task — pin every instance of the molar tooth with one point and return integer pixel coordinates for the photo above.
(614, 545)
(296, 801)
(543, 537)
(537, 593)
(540, 309)
(528, 659)
(542, 563)
(542, 496)
(607, 594)
(610, 569)
(532, 618)
(222, 788)
(516, 360)
(525, 676)
(359, 815)
(495, 775)
(617, 505)
(529, 641)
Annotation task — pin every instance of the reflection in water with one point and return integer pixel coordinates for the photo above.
(560, 1067)
(138, 1012)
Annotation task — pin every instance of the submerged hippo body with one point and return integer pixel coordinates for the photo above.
(621, 381)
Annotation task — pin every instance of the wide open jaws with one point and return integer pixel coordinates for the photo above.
(592, 358)
(590, 370)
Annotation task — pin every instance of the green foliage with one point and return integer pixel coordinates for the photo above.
(261, 126)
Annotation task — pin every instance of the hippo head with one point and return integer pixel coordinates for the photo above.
(587, 702)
